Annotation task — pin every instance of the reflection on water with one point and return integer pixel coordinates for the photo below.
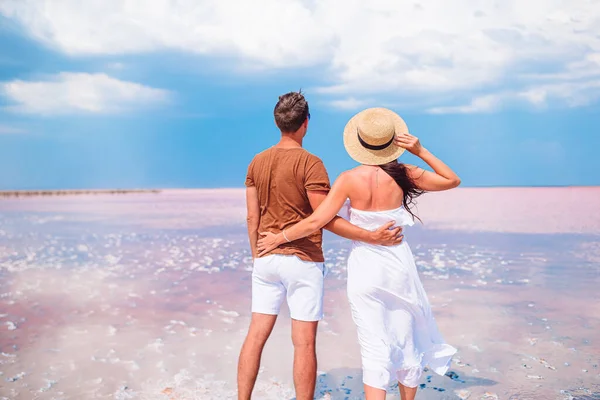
(146, 296)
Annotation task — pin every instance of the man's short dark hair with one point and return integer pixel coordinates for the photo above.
(291, 111)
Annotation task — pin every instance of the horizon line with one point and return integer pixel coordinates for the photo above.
(157, 189)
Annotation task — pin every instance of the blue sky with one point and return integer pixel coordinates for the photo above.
(180, 94)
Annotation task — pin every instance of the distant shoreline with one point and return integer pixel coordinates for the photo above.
(71, 192)
(30, 193)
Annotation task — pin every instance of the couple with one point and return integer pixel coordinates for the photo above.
(397, 333)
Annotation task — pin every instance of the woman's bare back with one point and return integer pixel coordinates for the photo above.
(372, 189)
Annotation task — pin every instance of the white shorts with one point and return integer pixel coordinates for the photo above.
(277, 276)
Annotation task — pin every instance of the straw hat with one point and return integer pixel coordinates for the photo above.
(369, 136)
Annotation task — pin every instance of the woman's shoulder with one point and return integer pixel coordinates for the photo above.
(356, 171)
(357, 174)
(350, 174)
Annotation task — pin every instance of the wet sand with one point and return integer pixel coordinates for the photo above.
(146, 296)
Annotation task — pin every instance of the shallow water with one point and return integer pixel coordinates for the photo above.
(146, 296)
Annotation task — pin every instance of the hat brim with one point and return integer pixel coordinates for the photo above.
(373, 157)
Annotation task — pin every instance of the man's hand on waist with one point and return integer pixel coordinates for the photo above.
(387, 235)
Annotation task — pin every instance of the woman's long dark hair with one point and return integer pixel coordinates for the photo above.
(410, 191)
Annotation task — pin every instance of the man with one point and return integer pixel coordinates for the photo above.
(285, 183)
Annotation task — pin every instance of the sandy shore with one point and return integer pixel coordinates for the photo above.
(147, 297)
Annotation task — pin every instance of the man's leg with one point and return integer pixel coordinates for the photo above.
(304, 285)
(407, 393)
(260, 329)
(304, 336)
(372, 393)
(267, 295)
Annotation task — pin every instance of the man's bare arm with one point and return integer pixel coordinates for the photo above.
(341, 227)
(252, 217)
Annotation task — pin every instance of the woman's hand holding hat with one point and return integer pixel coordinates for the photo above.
(408, 142)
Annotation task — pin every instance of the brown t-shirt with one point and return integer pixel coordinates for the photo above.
(282, 178)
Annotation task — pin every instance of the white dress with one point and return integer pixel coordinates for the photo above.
(397, 333)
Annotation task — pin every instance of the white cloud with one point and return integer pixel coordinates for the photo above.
(406, 50)
(564, 94)
(571, 94)
(9, 130)
(477, 105)
(276, 33)
(79, 92)
(116, 66)
(350, 103)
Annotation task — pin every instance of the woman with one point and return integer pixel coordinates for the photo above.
(396, 329)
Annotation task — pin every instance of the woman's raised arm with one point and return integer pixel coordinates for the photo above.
(443, 178)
